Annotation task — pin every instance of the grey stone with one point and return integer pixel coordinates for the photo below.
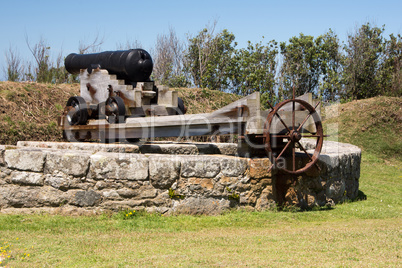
(27, 178)
(336, 190)
(200, 166)
(173, 148)
(25, 159)
(163, 171)
(227, 148)
(147, 192)
(111, 194)
(118, 205)
(233, 166)
(69, 162)
(49, 196)
(200, 206)
(127, 193)
(86, 198)
(118, 166)
(2, 150)
(81, 146)
(266, 199)
(58, 181)
(20, 197)
(110, 184)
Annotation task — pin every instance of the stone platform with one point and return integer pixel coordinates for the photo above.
(190, 178)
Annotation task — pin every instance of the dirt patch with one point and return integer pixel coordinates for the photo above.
(29, 111)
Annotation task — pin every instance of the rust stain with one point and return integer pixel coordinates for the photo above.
(92, 91)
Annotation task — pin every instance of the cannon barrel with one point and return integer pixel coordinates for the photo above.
(134, 65)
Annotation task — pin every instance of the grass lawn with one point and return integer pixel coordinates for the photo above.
(364, 233)
(357, 234)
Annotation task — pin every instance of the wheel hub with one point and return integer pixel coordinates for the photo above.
(295, 136)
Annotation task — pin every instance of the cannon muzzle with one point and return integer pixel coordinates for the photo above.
(134, 65)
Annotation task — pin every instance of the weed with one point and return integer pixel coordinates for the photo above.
(232, 195)
(127, 214)
(58, 107)
(174, 195)
(9, 120)
(8, 253)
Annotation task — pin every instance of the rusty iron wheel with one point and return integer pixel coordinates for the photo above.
(293, 136)
(115, 110)
(77, 112)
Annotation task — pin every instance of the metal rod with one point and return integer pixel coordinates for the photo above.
(308, 116)
(279, 117)
(304, 150)
(294, 157)
(276, 158)
(314, 136)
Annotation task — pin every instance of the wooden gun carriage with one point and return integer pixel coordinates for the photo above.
(116, 103)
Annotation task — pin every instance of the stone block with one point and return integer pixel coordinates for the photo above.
(68, 162)
(163, 171)
(336, 189)
(51, 197)
(58, 181)
(111, 194)
(85, 198)
(2, 150)
(118, 166)
(266, 199)
(25, 159)
(227, 148)
(259, 168)
(27, 178)
(233, 166)
(169, 148)
(200, 206)
(127, 193)
(21, 197)
(200, 166)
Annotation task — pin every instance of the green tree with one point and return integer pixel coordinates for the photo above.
(208, 58)
(364, 57)
(254, 68)
(332, 60)
(301, 67)
(391, 71)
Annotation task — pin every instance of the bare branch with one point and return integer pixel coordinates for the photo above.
(95, 46)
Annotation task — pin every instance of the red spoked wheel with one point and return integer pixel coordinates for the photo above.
(293, 134)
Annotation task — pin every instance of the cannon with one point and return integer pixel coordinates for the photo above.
(115, 106)
(116, 85)
(132, 66)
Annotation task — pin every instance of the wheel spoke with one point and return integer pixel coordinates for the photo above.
(283, 123)
(293, 114)
(278, 117)
(308, 116)
(311, 159)
(276, 158)
(294, 157)
(283, 150)
(311, 136)
(304, 121)
(279, 136)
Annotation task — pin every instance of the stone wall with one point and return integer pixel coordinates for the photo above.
(166, 178)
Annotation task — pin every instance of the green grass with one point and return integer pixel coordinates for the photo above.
(355, 234)
(364, 233)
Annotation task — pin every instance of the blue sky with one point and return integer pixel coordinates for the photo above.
(63, 24)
